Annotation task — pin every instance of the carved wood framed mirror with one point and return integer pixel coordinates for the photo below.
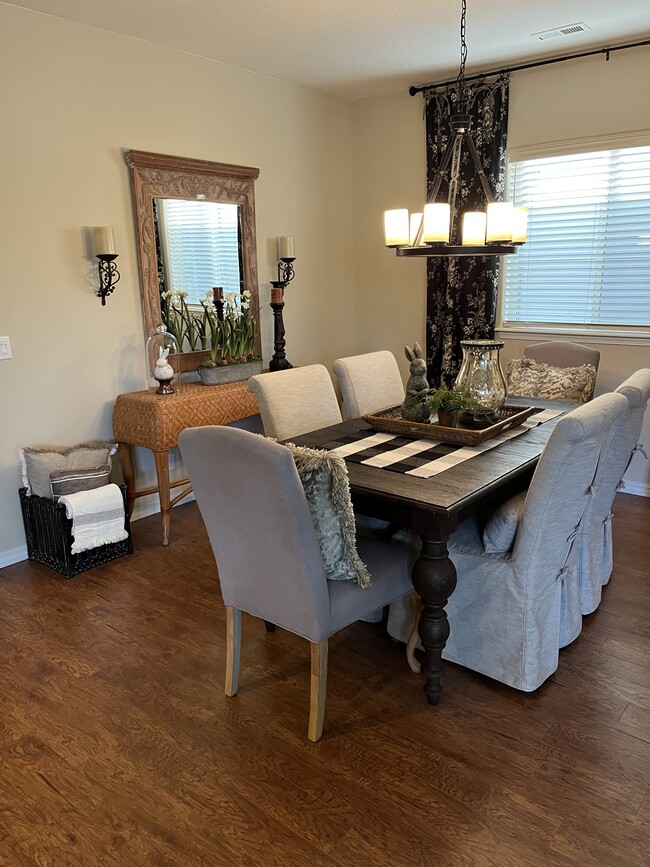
(217, 202)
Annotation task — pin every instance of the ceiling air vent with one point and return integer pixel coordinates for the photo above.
(567, 30)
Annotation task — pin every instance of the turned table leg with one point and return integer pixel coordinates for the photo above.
(125, 453)
(162, 472)
(434, 579)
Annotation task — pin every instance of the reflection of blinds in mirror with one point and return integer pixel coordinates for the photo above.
(201, 246)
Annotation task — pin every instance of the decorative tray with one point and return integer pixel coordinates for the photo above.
(390, 421)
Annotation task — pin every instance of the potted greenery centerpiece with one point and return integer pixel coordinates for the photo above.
(449, 403)
(229, 331)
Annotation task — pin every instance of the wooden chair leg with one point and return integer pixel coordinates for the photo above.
(233, 648)
(318, 689)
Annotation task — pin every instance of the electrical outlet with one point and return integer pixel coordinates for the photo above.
(5, 348)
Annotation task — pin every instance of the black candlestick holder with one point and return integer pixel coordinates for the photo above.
(285, 276)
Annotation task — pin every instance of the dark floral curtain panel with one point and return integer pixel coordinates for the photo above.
(462, 292)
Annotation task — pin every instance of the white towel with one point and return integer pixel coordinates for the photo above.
(97, 517)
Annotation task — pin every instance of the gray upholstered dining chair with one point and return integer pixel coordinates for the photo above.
(595, 553)
(269, 561)
(295, 401)
(368, 383)
(517, 601)
(562, 353)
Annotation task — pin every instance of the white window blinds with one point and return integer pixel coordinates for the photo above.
(587, 259)
(201, 246)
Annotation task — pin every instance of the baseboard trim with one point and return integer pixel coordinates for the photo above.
(13, 555)
(637, 489)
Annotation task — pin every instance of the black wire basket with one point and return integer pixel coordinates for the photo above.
(49, 537)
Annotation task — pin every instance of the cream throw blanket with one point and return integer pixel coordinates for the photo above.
(97, 517)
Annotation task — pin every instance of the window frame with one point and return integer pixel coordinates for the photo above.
(627, 335)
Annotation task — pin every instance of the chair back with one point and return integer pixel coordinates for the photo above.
(562, 483)
(368, 383)
(259, 524)
(562, 353)
(295, 401)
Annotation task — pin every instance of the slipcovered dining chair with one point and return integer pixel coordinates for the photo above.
(562, 353)
(595, 554)
(368, 383)
(517, 601)
(268, 556)
(295, 401)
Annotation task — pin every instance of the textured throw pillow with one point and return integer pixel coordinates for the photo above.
(529, 378)
(501, 529)
(324, 478)
(38, 463)
(64, 482)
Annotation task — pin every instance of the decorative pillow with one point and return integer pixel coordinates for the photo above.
(64, 482)
(529, 378)
(324, 478)
(501, 529)
(38, 463)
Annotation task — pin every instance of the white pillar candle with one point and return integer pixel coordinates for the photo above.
(499, 222)
(474, 228)
(520, 226)
(285, 248)
(104, 240)
(436, 218)
(396, 225)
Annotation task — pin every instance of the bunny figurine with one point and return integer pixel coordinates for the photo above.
(163, 372)
(417, 386)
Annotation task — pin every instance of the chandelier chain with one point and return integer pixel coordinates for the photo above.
(460, 81)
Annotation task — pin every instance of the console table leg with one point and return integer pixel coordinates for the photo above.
(434, 579)
(162, 472)
(126, 461)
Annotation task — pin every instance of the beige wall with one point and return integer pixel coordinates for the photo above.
(576, 99)
(72, 98)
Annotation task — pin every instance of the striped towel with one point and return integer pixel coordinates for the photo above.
(97, 517)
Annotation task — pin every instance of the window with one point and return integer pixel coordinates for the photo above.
(587, 259)
(201, 246)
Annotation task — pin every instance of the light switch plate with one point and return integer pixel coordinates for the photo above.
(5, 348)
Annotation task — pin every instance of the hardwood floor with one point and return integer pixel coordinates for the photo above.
(118, 745)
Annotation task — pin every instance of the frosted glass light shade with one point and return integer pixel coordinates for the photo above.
(436, 223)
(396, 225)
(519, 225)
(499, 222)
(474, 228)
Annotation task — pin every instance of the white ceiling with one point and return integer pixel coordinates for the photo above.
(357, 49)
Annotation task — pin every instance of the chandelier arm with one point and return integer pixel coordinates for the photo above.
(455, 173)
(487, 189)
(442, 168)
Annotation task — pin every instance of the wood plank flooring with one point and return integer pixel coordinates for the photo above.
(119, 747)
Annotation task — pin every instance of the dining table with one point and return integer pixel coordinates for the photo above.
(434, 506)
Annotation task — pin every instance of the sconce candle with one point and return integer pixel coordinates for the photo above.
(286, 248)
(104, 240)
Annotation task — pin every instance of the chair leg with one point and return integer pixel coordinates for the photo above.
(318, 689)
(233, 648)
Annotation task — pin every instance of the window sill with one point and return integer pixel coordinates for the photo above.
(586, 335)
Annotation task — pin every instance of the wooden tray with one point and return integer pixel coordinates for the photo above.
(390, 421)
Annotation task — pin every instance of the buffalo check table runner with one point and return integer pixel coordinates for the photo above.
(421, 458)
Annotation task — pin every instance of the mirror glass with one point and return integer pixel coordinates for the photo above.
(195, 227)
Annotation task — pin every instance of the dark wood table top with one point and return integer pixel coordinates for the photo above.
(456, 489)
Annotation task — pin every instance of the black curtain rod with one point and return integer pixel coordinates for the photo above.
(606, 51)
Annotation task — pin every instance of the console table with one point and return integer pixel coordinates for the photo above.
(154, 421)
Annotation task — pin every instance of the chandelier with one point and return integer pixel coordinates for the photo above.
(495, 232)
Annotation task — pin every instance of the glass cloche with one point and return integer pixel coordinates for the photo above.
(163, 360)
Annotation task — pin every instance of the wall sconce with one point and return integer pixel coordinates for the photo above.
(286, 274)
(105, 252)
